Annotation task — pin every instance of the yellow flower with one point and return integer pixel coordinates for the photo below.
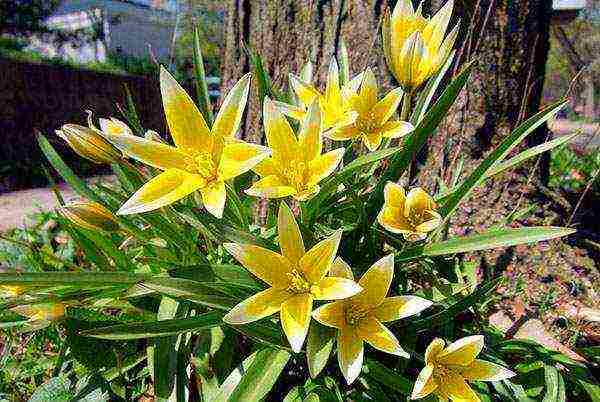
(11, 290)
(297, 278)
(202, 159)
(413, 215)
(89, 143)
(449, 368)
(90, 215)
(374, 121)
(114, 126)
(296, 165)
(42, 311)
(359, 318)
(333, 103)
(415, 47)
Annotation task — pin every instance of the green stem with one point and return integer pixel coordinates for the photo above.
(406, 105)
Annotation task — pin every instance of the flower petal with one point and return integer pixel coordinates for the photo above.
(261, 305)
(351, 87)
(266, 167)
(331, 288)
(324, 165)
(213, 198)
(393, 220)
(376, 283)
(462, 352)
(394, 195)
(372, 140)
(164, 189)
(290, 238)
(434, 31)
(433, 350)
(417, 199)
(342, 133)
(273, 186)
(309, 137)
(431, 224)
(187, 126)
(350, 354)
(481, 370)
(333, 94)
(153, 153)
(280, 136)
(341, 269)
(385, 108)
(454, 387)
(295, 319)
(114, 126)
(227, 122)
(396, 129)
(239, 157)
(398, 307)
(306, 93)
(425, 383)
(293, 111)
(369, 92)
(379, 336)
(331, 314)
(315, 264)
(267, 265)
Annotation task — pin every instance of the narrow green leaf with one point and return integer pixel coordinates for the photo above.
(130, 113)
(190, 290)
(165, 356)
(153, 329)
(233, 379)
(428, 92)
(479, 295)
(551, 380)
(343, 63)
(415, 141)
(65, 172)
(509, 143)
(319, 344)
(261, 375)
(388, 377)
(71, 278)
(200, 80)
(496, 238)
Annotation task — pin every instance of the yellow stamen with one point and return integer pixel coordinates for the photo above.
(354, 314)
(298, 284)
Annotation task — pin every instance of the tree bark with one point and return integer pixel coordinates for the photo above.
(288, 33)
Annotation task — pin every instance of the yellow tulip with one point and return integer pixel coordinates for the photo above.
(42, 311)
(333, 103)
(448, 369)
(89, 143)
(90, 215)
(359, 318)
(202, 159)
(414, 46)
(413, 215)
(11, 290)
(374, 121)
(296, 165)
(296, 278)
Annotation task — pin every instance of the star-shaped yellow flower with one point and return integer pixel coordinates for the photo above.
(415, 47)
(202, 159)
(296, 165)
(413, 215)
(333, 103)
(359, 318)
(297, 278)
(449, 368)
(374, 121)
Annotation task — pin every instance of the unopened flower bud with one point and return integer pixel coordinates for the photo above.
(89, 144)
(41, 311)
(11, 290)
(90, 215)
(153, 136)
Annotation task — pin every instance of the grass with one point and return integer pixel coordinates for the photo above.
(571, 170)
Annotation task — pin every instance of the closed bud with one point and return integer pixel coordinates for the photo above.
(90, 215)
(88, 143)
(153, 136)
(114, 127)
(11, 290)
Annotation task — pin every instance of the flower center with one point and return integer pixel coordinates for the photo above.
(298, 284)
(366, 123)
(440, 371)
(415, 217)
(354, 314)
(202, 163)
(295, 174)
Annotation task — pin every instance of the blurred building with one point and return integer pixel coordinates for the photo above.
(87, 30)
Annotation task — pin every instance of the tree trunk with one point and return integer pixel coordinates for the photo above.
(288, 33)
(506, 86)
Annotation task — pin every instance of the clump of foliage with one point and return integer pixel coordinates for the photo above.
(573, 170)
(348, 289)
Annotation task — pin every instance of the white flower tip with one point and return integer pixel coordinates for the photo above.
(232, 248)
